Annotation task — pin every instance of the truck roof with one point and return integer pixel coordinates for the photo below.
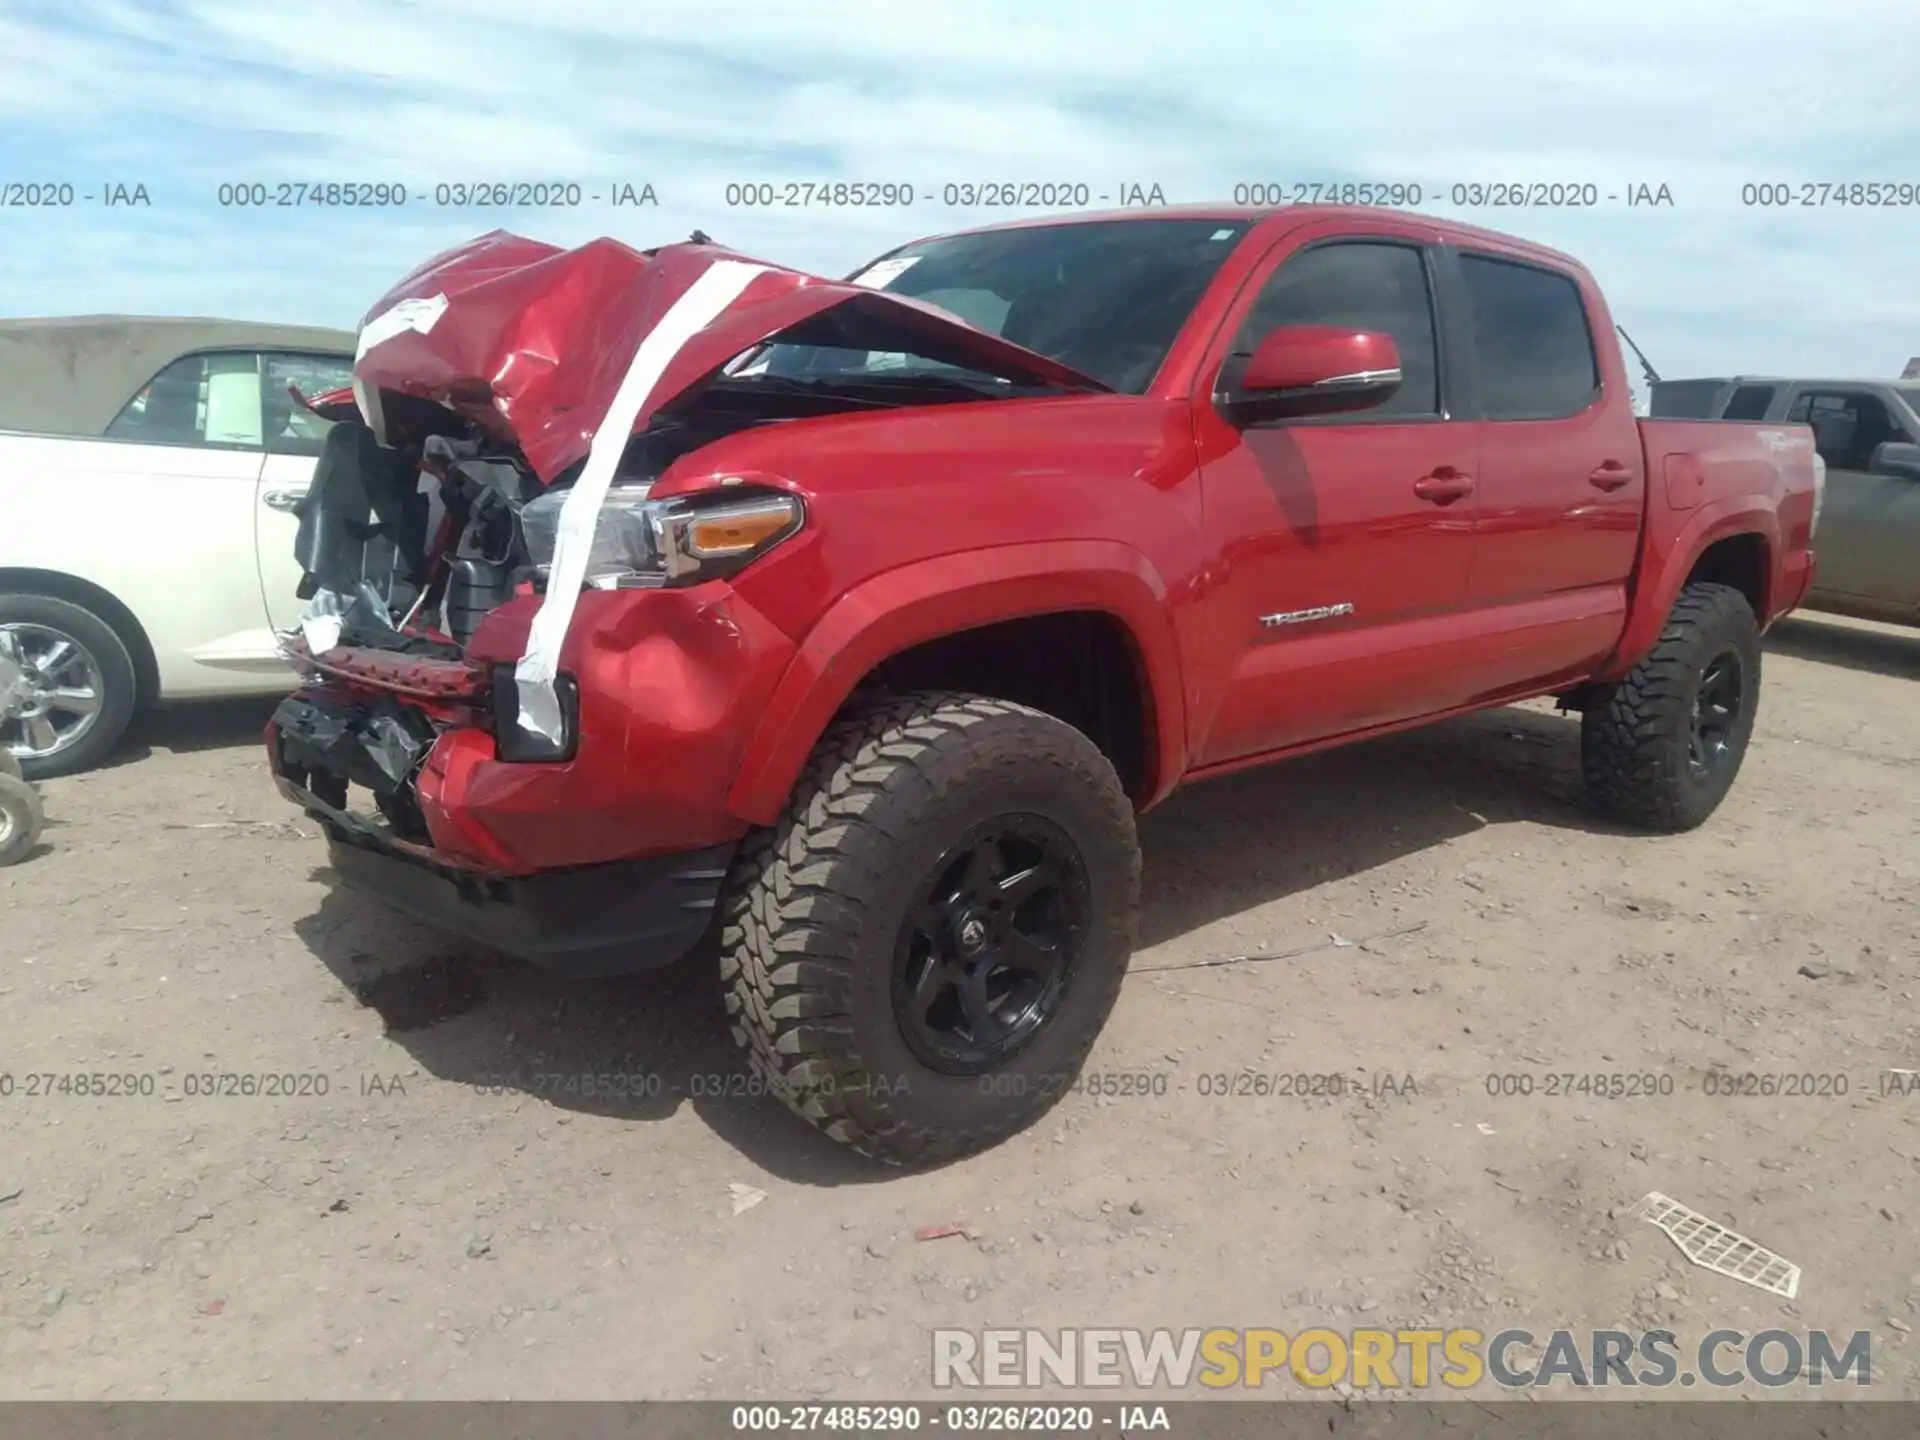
(1264, 214)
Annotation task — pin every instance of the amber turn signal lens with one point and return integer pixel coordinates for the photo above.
(738, 529)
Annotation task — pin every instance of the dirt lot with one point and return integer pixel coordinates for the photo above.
(447, 1221)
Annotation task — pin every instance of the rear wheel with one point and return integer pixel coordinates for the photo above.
(1660, 749)
(67, 685)
(919, 955)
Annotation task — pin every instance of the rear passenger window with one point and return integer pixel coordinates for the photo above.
(1749, 402)
(1364, 286)
(1533, 352)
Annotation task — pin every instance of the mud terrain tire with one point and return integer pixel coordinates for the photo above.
(1660, 749)
(862, 900)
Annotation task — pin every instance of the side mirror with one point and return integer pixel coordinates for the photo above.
(1896, 457)
(1300, 370)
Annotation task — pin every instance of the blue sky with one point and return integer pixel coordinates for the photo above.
(185, 95)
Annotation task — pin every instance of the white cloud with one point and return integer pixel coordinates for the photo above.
(188, 94)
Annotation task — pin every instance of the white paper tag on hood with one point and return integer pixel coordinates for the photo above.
(883, 273)
(419, 316)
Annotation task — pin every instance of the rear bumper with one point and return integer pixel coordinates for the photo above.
(611, 919)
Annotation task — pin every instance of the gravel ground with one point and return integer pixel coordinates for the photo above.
(448, 1220)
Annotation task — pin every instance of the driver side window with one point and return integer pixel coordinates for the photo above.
(1363, 285)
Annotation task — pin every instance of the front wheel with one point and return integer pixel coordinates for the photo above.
(918, 956)
(1660, 749)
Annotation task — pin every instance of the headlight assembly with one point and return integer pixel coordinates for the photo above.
(639, 541)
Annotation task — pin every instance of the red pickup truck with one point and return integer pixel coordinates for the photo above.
(846, 626)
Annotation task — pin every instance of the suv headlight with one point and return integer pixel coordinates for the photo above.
(638, 541)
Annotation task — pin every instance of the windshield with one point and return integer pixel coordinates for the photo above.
(1106, 297)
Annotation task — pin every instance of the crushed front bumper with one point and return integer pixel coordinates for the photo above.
(584, 921)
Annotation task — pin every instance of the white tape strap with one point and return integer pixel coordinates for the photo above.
(717, 287)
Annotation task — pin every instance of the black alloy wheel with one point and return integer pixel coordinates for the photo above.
(986, 956)
(1717, 707)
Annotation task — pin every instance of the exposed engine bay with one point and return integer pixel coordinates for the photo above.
(411, 546)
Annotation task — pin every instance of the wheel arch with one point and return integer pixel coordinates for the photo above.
(1741, 560)
(113, 613)
(898, 612)
(1736, 542)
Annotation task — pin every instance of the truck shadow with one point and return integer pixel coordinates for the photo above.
(199, 725)
(1224, 846)
(1827, 641)
(639, 1048)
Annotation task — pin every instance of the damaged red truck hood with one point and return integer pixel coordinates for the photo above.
(531, 342)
